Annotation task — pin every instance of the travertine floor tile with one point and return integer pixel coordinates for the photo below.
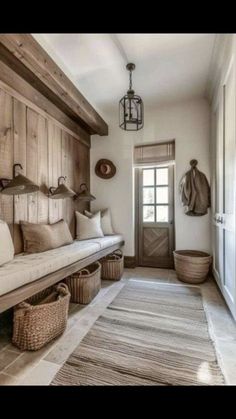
(24, 363)
(172, 274)
(223, 324)
(5, 329)
(143, 272)
(68, 343)
(7, 357)
(4, 342)
(7, 380)
(226, 352)
(42, 374)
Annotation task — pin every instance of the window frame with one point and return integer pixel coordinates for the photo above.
(155, 186)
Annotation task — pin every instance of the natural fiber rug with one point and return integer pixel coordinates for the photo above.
(151, 334)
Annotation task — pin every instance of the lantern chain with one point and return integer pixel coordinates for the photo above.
(130, 79)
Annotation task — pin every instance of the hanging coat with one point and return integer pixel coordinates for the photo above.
(195, 193)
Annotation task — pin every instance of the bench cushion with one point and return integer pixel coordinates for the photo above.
(106, 241)
(24, 269)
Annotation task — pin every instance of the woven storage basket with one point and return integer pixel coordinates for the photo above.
(192, 266)
(113, 266)
(85, 284)
(41, 318)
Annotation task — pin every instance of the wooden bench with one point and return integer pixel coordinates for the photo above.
(18, 295)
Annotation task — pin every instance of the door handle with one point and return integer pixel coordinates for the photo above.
(219, 219)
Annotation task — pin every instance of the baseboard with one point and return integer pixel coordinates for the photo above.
(130, 262)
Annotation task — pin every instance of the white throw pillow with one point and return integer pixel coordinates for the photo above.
(6, 244)
(106, 223)
(88, 227)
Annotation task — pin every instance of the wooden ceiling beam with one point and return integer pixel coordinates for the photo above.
(47, 77)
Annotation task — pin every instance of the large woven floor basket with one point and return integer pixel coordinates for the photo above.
(192, 266)
(41, 318)
(85, 284)
(113, 266)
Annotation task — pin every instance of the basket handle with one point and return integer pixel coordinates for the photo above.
(21, 309)
(113, 257)
(24, 305)
(84, 271)
(62, 289)
(118, 252)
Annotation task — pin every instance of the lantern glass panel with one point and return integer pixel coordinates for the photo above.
(131, 113)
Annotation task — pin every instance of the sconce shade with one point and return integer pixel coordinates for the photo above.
(62, 191)
(85, 195)
(18, 185)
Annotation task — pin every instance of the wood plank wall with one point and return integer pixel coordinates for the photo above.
(46, 151)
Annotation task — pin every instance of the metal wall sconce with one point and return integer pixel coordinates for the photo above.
(18, 185)
(84, 195)
(62, 191)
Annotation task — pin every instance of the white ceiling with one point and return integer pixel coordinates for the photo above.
(169, 67)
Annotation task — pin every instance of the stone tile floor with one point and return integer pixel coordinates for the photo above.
(39, 368)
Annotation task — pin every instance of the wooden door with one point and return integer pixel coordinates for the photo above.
(225, 182)
(155, 214)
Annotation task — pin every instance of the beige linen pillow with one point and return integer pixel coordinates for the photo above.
(42, 237)
(106, 223)
(6, 244)
(88, 227)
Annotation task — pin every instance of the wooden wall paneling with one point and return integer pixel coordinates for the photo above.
(42, 170)
(57, 169)
(40, 69)
(51, 128)
(76, 177)
(46, 150)
(82, 173)
(6, 154)
(54, 169)
(32, 119)
(64, 163)
(20, 201)
(66, 159)
(71, 184)
(17, 87)
(52, 217)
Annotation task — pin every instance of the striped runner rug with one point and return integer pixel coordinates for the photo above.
(151, 334)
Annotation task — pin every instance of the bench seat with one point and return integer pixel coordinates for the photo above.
(24, 269)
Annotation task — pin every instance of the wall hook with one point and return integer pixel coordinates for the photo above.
(193, 163)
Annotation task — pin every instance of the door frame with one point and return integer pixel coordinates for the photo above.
(219, 106)
(137, 208)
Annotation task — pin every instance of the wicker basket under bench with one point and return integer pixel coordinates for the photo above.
(113, 266)
(41, 318)
(85, 284)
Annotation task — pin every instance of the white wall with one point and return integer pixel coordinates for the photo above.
(189, 124)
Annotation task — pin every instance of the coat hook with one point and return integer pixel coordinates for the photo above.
(193, 163)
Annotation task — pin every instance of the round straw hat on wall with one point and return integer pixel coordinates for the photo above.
(105, 169)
